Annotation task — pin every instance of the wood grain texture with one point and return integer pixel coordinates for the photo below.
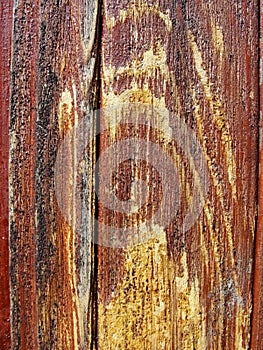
(131, 93)
(53, 85)
(22, 175)
(197, 61)
(5, 61)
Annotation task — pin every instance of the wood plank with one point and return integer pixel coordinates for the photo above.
(22, 192)
(5, 56)
(53, 86)
(167, 285)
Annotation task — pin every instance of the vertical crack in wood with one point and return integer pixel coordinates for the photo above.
(97, 106)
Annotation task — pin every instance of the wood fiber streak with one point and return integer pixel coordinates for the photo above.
(5, 61)
(197, 62)
(257, 331)
(53, 87)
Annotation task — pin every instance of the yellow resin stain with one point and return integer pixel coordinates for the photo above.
(141, 315)
(218, 39)
(192, 314)
(153, 61)
(66, 110)
(135, 11)
(243, 321)
(117, 106)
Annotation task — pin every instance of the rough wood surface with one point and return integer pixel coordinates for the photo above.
(53, 85)
(105, 98)
(5, 59)
(196, 62)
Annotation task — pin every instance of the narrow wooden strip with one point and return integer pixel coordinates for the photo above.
(257, 329)
(6, 16)
(54, 88)
(67, 95)
(22, 175)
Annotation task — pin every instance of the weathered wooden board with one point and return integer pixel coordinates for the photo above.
(196, 64)
(133, 162)
(53, 85)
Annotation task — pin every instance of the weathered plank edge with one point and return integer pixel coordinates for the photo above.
(257, 330)
(6, 9)
(22, 230)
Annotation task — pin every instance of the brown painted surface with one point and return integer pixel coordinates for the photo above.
(5, 60)
(175, 80)
(257, 330)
